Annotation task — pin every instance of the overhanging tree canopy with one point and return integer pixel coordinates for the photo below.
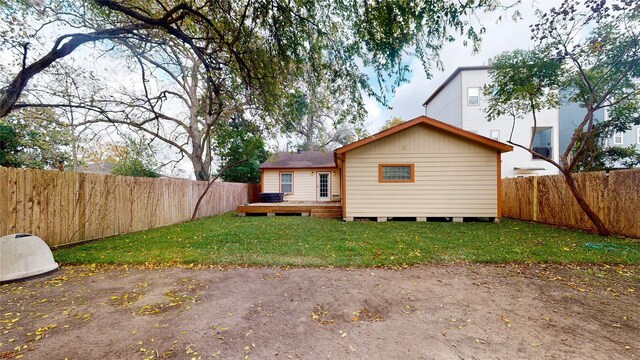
(259, 40)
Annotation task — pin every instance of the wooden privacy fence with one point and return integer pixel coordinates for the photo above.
(67, 207)
(614, 197)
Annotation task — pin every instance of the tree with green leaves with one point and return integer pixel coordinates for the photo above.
(10, 146)
(30, 139)
(250, 56)
(323, 110)
(262, 41)
(321, 119)
(135, 158)
(598, 71)
(391, 122)
(600, 155)
(132, 166)
(239, 142)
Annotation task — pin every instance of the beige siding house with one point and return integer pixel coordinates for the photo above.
(302, 176)
(422, 168)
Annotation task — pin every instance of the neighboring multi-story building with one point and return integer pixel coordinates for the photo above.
(622, 139)
(459, 101)
(631, 137)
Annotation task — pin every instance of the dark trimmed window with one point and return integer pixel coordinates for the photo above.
(542, 142)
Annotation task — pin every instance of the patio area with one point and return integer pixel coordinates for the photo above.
(320, 209)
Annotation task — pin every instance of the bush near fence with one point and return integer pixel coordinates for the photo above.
(614, 197)
(67, 207)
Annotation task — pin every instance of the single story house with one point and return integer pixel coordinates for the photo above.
(302, 176)
(421, 168)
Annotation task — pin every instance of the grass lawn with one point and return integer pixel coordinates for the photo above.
(281, 241)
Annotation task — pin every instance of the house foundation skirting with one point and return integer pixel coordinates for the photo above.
(422, 219)
(317, 210)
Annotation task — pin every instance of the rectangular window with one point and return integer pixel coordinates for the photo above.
(495, 135)
(542, 141)
(473, 96)
(286, 183)
(618, 138)
(395, 173)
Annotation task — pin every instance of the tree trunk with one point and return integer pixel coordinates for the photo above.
(199, 168)
(309, 145)
(595, 219)
(74, 151)
(222, 171)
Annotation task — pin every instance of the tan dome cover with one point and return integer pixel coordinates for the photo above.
(24, 255)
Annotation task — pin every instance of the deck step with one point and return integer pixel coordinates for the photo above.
(323, 212)
(326, 215)
(326, 210)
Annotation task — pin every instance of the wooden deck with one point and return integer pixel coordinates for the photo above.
(306, 208)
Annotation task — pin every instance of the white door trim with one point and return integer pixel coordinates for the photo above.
(328, 197)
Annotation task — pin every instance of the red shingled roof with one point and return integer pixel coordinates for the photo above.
(305, 159)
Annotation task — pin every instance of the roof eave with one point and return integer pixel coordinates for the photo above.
(298, 167)
(451, 77)
(269, 163)
(497, 145)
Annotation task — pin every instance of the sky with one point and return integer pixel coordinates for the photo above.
(501, 36)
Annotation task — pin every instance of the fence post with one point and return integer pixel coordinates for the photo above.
(534, 203)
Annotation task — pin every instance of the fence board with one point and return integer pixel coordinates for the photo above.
(614, 197)
(12, 203)
(67, 207)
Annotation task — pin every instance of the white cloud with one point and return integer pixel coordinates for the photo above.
(374, 114)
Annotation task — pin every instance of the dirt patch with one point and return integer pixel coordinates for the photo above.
(430, 312)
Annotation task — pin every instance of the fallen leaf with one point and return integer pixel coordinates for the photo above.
(506, 321)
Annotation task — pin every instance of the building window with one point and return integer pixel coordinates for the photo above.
(286, 183)
(542, 141)
(395, 173)
(473, 96)
(618, 138)
(495, 135)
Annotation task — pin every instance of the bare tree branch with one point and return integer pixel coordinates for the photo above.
(9, 96)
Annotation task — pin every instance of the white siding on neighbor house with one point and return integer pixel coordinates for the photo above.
(454, 177)
(474, 119)
(447, 105)
(450, 105)
(304, 183)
